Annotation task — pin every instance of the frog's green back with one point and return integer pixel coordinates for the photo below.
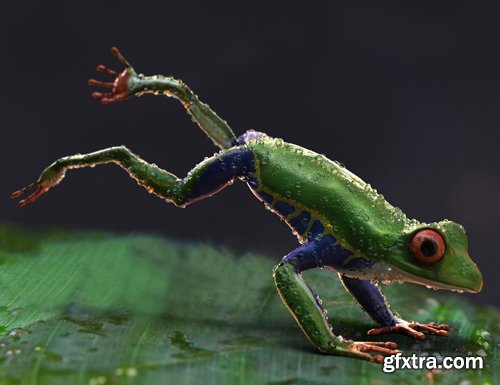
(347, 206)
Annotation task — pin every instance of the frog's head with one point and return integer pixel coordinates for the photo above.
(435, 255)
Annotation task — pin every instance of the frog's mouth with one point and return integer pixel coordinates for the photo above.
(390, 274)
(440, 286)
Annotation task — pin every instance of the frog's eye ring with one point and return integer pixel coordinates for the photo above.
(427, 246)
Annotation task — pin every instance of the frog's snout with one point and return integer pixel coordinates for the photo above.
(474, 278)
(467, 275)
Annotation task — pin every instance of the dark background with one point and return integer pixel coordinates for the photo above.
(406, 96)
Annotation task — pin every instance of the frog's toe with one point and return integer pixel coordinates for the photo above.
(380, 348)
(432, 328)
(98, 83)
(385, 344)
(414, 329)
(34, 190)
(108, 71)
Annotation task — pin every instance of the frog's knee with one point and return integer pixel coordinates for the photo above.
(284, 274)
(121, 150)
(249, 135)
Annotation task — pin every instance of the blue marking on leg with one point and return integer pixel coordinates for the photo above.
(316, 229)
(371, 300)
(252, 181)
(340, 259)
(300, 222)
(236, 162)
(342, 262)
(283, 208)
(311, 254)
(268, 198)
(321, 252)
(324, 251)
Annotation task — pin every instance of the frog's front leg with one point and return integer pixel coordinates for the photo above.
(128, 83)
(306, 307)
(374, 303)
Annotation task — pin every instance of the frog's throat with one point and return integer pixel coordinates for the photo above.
(388, 274)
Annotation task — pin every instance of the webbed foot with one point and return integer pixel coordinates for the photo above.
(49, 178)
(121, 88)
(413, 329)
(365, 349)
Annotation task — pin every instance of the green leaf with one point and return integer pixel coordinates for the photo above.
(95, 308)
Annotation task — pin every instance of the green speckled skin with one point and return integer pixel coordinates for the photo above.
(360, 219)
(348, 207)
(353, 214)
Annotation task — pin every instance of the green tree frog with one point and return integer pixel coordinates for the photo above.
(340, 221)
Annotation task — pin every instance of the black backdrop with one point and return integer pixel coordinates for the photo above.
(406, 96)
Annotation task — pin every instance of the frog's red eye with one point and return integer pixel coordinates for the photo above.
(427, 246)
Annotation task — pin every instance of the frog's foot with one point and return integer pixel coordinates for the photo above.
(120, 88)
(47, 180)
(38, 190)
(413, 328)
(365, 349)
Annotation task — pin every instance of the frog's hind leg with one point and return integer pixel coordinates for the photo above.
(305, 306)
(206, 179)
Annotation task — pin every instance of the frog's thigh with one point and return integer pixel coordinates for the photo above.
(215, 173)
(301, 301)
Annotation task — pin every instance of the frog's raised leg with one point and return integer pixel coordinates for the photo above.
(206, 179)
(305, 305)
(129, 83)
(373, 302)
